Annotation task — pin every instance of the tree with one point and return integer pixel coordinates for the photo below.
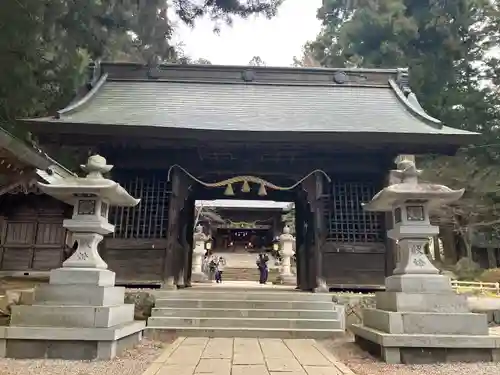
(446, 46)
(45, 46)
(440, 41)
(307, 60)
(479, 208)
(256, 61)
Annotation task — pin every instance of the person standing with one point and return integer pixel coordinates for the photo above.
(221, 262)
(263, 269)
(212, 268)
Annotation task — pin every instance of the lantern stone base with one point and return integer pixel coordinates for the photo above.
(79, 315)
(414, 327)
(427, 348)
(69, 343)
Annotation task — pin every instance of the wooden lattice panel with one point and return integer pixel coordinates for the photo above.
(150, 217)
(345, 218)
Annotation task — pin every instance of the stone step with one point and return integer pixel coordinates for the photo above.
(245, 296)
(239, 286)
(217, 322)
(243, 304)
(246, 274)
(248, 313)
(277, 333)
(252, 312)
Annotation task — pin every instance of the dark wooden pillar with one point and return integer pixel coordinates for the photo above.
(319, 227)
(174, 261)
(315, 230)
(189, 232)
(173, 221)
(300, 241)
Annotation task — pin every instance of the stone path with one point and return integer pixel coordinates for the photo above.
(246, 356)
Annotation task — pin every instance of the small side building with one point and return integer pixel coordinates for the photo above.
(31, 234)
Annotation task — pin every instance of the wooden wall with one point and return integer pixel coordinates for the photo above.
(135, 260)
(32, 237)
(355, 265)
(355, 249)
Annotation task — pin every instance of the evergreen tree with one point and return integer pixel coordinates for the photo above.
(446, 45)
(45, 45)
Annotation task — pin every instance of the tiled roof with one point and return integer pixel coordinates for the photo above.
(19, 160)
(212, 106)
(270, 99)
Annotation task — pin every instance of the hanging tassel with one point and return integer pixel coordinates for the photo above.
(262, 190)
(246, 187)
(229, 190)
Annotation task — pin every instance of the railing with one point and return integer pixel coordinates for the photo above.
(476, 286)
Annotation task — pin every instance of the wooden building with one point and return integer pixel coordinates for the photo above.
(180, 133)
(31, 234)
(244, 226)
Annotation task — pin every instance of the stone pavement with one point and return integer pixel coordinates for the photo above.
(246, 356)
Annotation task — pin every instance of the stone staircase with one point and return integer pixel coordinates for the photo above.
(247, 274)
(252, 312)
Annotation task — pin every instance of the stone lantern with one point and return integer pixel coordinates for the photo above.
(419, 318)
(410, 203)
(80, 314)
(287, 241)
(199, 240)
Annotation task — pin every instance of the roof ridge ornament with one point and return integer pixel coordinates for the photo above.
(94, 69)
(403, 80)
(340, 77)
(248, 75)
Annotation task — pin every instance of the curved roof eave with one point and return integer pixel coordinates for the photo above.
(75, 106)
(31, 155)
(412, 104)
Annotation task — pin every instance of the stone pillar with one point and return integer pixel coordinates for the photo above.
(419, 318)
(287, 251)
(199, 239)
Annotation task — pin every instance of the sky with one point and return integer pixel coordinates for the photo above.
(276, 40)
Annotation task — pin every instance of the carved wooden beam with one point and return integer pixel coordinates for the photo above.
(24, 182)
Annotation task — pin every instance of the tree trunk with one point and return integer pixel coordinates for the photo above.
(492, 258)
(449, 247)
(467, 239)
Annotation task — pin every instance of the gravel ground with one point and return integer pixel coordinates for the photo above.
(131, 362)
(363, 364)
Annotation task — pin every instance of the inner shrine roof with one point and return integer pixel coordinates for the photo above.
(21, 163)
(179, 99)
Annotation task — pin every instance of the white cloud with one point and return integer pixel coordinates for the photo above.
(276, 41)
